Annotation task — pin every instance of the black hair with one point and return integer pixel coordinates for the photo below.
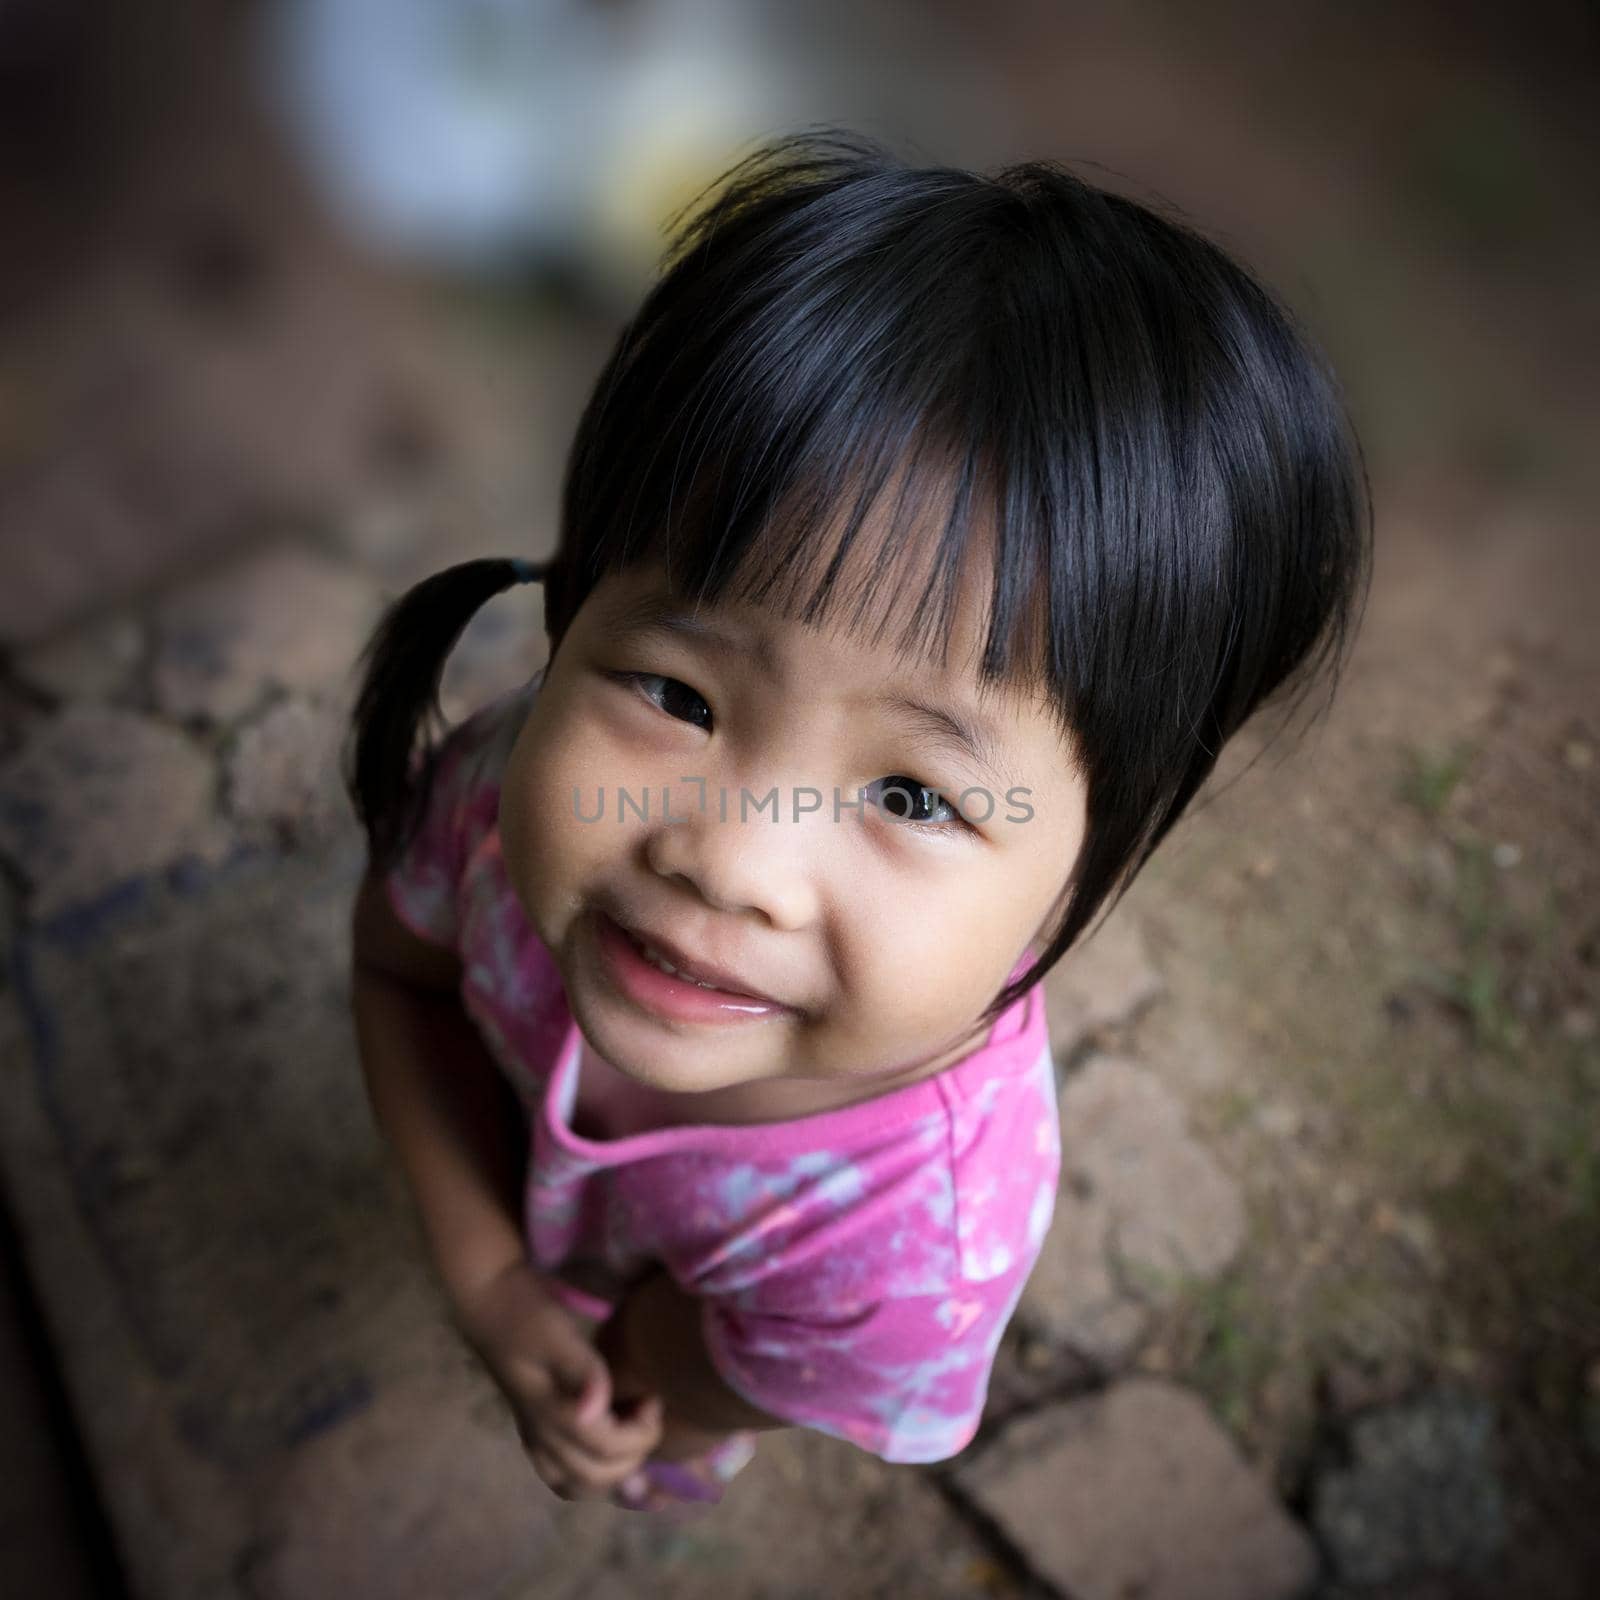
(1177, 515)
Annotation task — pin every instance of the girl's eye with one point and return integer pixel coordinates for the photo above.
(668, 694)
(911, 800)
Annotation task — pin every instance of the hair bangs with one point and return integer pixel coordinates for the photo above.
(865, 492)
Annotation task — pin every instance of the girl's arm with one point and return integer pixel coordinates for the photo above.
(653, 1345)
(438, 1096)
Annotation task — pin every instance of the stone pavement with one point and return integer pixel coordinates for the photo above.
(264, 1377)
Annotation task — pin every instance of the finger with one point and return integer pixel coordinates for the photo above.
(569, 1482)
(608, 1436)
(636, 1421)
(605, 1449)
(591, 1439)
(589, 1410)
(594, 1399)
(586, 1465)
(576, 1479)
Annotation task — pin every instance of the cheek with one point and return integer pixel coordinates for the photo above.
(554, 810)
(934, 950)
(539, 818)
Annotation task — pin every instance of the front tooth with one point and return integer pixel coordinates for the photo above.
(666, 966)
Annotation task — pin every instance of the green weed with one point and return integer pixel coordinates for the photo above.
(1239, 1346)
(1432, 776)
(1479, 987)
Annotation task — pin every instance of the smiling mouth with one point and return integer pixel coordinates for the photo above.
(653, 977)
(659, 959)
(669, 959)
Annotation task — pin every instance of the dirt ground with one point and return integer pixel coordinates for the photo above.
(1381, 940)
(1382, 971)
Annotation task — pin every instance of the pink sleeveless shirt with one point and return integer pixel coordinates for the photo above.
(857, 1267)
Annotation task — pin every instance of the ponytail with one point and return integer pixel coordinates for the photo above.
(402, 664)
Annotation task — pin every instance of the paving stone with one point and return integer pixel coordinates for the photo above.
(282, 771)
(1137, 1491)
(1420, 1493)
(1071, 1297)
(1175, 1212)
(286, 616)
(421, 1496)
(1141, 1208)
(96, 662)
(1103, 984)
(82, 542)
(96, 796)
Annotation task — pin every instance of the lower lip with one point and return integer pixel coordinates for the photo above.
(666, 996)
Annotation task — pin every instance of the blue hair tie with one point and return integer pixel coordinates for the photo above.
(526, 571)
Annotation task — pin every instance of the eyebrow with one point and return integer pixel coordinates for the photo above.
(968, 735)
(660, 615)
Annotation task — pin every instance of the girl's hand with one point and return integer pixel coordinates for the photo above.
(542, 1357)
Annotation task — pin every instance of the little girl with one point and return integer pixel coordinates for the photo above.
(926, 536)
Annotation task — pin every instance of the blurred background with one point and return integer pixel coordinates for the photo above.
(300, 301)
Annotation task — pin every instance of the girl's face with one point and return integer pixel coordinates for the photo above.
(849, 945)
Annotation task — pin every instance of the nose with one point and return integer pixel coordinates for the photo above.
(744, 863)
